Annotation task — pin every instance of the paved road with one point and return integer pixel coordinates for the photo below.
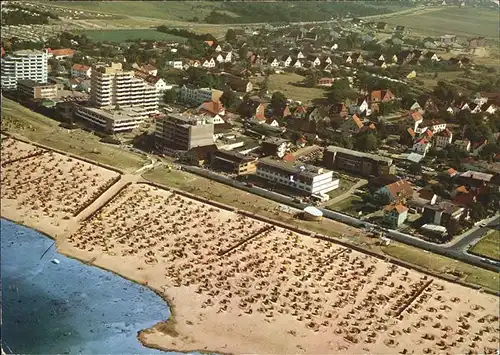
(455, 251)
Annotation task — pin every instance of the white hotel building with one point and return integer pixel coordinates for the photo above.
(307, 178)
(24, 65)
(111, 86)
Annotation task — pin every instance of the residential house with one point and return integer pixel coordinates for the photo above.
(456, 62)
(411, 75)
(239, 84)
(148, 68)
(297, 64)
(416, 108)
(319, 113)
(422, 146)
(300, 112)
(491, 109)
(301, 142)
(443, 138)
(463, 144)
(380, 64)
(287, 60)
(396, 192)
(233, 162)
(81, 71)
(432, 56)
(217, 48)
(357, 58)
(212, 108)
(352, 125)
(339, 109)
(435, 126)
(325, 82)
(327, 60)
(314, 60)
(274, 146)
(300, 55)
(395, 215)
(474, 108)
(209, 43)
(415, 119)
(444, 213)
(475, 43)
(404, 57)
(208, 63)
(176, 64)
(273, 62)
(381, 96)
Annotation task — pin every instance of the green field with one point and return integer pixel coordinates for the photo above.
(489, 246)
(171, 10)
(119, 36)
(463, 22)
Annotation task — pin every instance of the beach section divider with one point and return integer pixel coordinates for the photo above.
(62, 152)
(97, 210)
(102, 189)
(246, 240)
(36, 154)
(412, 298)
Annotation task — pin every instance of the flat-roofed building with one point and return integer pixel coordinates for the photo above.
(297, 175)
(196, 96)
(113, 86)
(183, 132)
(234, 162)
(365, 164)
(33, 90)
(112, 120)
(24, 64)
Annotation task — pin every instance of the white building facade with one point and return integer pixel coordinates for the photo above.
(24, 65)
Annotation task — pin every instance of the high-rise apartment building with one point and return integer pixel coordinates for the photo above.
(24, 65)
(112, 86)
(183, 132)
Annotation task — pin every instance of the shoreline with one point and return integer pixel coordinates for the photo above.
(314, 295)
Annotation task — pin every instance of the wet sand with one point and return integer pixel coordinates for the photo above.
(238, 285)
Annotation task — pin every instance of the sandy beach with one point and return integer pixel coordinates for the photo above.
(239, 285)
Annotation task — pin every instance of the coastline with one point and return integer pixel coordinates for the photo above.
(314, 295)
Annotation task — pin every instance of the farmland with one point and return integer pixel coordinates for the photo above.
(464, 22)
(489, 246)
(119, 36)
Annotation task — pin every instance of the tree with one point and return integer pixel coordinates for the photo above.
(382, 131)
(230, 35)
(415, 168)
(54, 65)
(340, 91)
(278, 103)
(170, 96)
(366, 142)
(311, 79)
(228, 99)
(477, 211)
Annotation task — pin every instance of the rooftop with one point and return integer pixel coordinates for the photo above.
(335, 149)
(295, 167)
(122, 114)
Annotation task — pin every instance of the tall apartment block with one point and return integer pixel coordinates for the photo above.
(176, 132)
(112, 86)
(24, 65)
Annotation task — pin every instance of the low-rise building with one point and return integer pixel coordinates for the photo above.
(33, 90)
(197, 96)
(443, 138)
(443, 213)
(176, 64)
(365, 164)
(422, 146)
(113, 120)
(200, 155)
(297, 175)
(396, 192)
(463, 144)
(62, 53)
(395, 215)
(234, 162)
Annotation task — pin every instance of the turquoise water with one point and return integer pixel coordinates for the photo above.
(71, 307)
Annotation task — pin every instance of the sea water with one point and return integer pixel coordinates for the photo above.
(70, 307)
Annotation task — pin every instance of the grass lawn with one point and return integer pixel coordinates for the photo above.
(489, 246)
(283, 82)
(19, 120)
(441, 264)
(463, 22)
(119, 36)
(348, 205)
(344, 186)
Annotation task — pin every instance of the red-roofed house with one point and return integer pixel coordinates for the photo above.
(209, 43)
(443, 138)
(301, 142)
(81, 71)
(61, 53)
(422, 146)
(451, 172)
(397, 192)
(395, 215)
(212, 108)
(381, 96)
(325, 82)
(300, 112)
(288, 157)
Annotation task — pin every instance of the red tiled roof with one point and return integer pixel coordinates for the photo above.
(357, 121)
(411, 132)
(398, 207)
(462, 189)
(289, 157)
(300, 109)
(213, 107)
(210, 43)
(3, 52)
(62, 51)
(416, 116)
(401, 188)
(451, 171)
(80, 67)
(428, 133)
